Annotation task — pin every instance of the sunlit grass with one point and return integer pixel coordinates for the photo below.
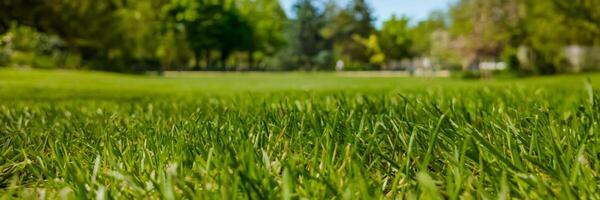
(272, 136)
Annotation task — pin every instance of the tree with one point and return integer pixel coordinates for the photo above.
(583, 16)
(353, 25)
(485, 25)
(551, 26)
(363, 18)
(67, 19)
(210, 26)
(233, 33)
(106, 34)
(310, 23)
(193, 18)
(425, 32)
(395, 39)
(268, 22)
(489, 28)
(140, 35)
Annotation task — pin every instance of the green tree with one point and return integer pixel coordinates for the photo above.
(490, 28)
(106, 34)
(210, 26)
(485, 27)
(583, 16)
(423, 34)
(81, 24)
(268, 22)
(395, 38)
(353, 25)
(310, 40)
(550, 26)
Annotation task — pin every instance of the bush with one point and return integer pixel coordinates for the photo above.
(470, 74)
(511, 58)
(23, 46)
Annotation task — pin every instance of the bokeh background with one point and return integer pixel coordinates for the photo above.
(471, 38)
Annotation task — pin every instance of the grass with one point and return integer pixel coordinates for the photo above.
(84, 135)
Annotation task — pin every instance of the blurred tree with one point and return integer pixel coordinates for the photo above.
(140, 29)
(395, 38)
(107, 34)
(542, 33)
(422, 33)
(124, 35)
(193, 18)
(173, 51)
(67, 19)
(353, 25)
(373, 44)
(484, 27)
(233, 33)
(542, 29)
(210, 25)
(23, 46)
(268, 22)
(582, 15)
(310, 40)
(363, 17)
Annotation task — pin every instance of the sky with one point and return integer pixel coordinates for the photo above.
(383, 9)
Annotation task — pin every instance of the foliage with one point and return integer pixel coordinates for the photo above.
(310, 41)
(268, 21)
(157, 35)
(423, 36)
(106, 34)
(354, 24)
(396, 41)
(210, 26)
(24, 46)
(545, 28)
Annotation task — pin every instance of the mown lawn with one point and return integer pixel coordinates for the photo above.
(82, 135)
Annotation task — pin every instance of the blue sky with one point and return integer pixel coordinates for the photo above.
(383, 9)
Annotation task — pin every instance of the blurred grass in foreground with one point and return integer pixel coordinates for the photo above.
(66, 134)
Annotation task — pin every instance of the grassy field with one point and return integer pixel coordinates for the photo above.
(92, 135)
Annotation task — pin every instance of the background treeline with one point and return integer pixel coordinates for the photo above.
(526, 36)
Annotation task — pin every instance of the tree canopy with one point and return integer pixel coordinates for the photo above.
(132, 36)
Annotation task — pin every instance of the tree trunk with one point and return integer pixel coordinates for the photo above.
(224, 55)
(197, 60)
(251, 59)
(208, 60)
